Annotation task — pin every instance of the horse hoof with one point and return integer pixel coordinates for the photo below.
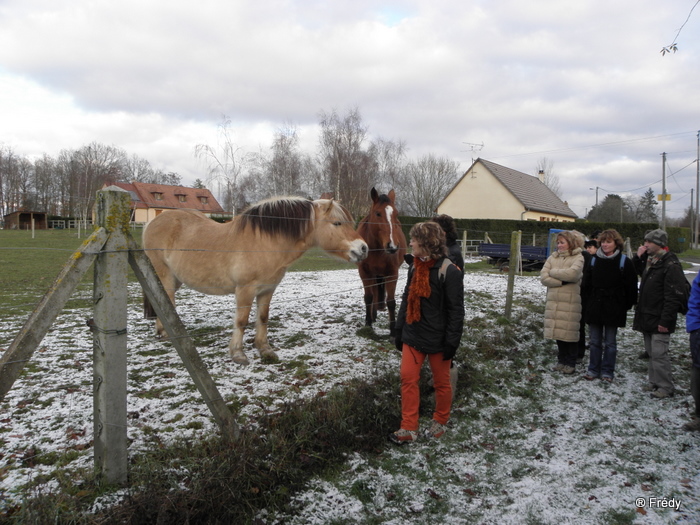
(269, 357)
(240, 359)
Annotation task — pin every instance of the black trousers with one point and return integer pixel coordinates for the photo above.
(568, 351)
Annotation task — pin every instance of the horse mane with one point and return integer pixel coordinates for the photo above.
(279, 216)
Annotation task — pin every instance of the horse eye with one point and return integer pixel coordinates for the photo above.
(379, 214)
(337, 223)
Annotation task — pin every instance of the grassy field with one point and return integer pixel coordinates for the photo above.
(29, 265)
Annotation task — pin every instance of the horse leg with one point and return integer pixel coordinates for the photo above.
(369, 303)
(381, 293)
(368, 283)
(261, 342)
(170, 288)
(391, 304)
(244, 300)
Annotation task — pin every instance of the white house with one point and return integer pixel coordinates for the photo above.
(490, 191)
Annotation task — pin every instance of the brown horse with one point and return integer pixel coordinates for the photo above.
(379, 272)
(247, 257)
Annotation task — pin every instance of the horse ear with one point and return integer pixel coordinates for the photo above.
(374, 194)
(392, 195)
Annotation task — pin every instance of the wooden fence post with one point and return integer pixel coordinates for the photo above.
(515, 261)
(109, 336)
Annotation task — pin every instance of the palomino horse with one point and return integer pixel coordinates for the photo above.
(379, 272)
(247, 257)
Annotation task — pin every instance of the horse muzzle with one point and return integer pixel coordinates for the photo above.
(358, 251)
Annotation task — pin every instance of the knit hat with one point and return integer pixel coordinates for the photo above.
(658, 237)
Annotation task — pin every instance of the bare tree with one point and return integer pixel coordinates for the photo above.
(349, 169)
(283, 170)
(427, 182)
(545, 166)
(389, 157)
(96, 164)
(137, 169)
(225, 164)
(46, 185)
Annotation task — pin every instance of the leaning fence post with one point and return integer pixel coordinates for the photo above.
(109, 337)
(515, 257)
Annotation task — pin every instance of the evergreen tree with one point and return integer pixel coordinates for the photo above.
(647, 208)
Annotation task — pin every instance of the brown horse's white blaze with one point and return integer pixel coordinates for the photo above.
(379, 272)
(247, 257)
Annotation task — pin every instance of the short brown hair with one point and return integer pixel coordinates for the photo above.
(611, 235)
(430, 237)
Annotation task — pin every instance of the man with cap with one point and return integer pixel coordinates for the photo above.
(660, 294)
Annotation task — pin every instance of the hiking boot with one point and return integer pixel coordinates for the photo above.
(692, 426)
(436, 430)
(648, 387)
(568, 370)
(643, 355)
(607, 379)
(403, 436)
(661, 394)
(589, 377)
(557, 367)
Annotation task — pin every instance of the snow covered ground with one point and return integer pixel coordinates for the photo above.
(584, 455)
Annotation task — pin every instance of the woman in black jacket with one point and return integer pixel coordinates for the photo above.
(610, 288)
(429, 325)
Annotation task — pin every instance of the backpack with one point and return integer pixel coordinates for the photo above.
(684, 292)
(443, 268)
(686, 295)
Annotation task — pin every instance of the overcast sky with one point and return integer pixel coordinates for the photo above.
(580, 83)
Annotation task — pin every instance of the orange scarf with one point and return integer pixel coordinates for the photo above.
(419, 287)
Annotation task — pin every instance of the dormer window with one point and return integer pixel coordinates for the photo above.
(182, 197)
(203, 200)
(157, 195)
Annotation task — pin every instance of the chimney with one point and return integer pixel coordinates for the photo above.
(540, 175)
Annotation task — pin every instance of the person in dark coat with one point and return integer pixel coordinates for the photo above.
(610, 284)
(454, 252)
(428, 326)
(661, 292)
(589, 249)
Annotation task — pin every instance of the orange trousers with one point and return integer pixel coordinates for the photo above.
(411, 362)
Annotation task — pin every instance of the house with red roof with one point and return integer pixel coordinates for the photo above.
(150, 200)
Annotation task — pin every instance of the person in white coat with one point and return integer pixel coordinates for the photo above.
(561, 275)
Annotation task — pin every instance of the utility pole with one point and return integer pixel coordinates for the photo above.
(663, 190)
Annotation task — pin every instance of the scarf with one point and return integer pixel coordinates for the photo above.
(419, 287)
(601, 254)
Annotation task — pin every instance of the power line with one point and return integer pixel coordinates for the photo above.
(604, 144)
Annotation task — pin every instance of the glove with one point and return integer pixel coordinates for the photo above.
(449, 352)
(399, 344)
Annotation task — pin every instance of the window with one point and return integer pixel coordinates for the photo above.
(203, 200)
(157, 196)
(182, 197)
